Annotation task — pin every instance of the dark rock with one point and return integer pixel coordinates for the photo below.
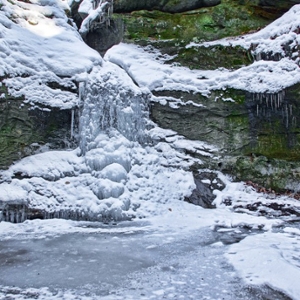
(103, 37)
(272, 9)
(77, 18)
(172, 6)
(203, 195)
(24, 130)
(278, 3)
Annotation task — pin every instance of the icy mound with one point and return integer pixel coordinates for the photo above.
(120, 184)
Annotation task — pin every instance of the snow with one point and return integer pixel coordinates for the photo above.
(127, 168)
(38, 46)
(148, 68)
(277, 256)
(273, 38)
(259, 77)
(93, 14)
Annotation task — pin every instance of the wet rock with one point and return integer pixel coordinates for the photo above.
(206, 183)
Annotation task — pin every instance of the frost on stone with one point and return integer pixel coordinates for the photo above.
(94, 11)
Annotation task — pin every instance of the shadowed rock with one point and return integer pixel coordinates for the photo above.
(171, 6)
(206, 183)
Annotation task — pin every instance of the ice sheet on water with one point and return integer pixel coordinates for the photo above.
(271, 259)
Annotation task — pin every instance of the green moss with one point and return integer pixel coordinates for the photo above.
(226, 19)
(276, 174)
(213, 57)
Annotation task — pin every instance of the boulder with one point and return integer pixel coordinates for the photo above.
(272, 8)
(206, 183)
(103, 37)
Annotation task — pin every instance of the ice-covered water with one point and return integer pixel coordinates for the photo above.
(129, 261)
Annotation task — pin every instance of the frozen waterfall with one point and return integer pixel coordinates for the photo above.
(104, 106)
(114, 174)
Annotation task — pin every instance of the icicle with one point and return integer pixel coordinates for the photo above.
(12, 216)
(81, 91)
(272, 100)
(72, 124)
(287, 116)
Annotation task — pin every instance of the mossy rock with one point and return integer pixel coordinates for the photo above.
(243, 124)
(226, 19)
(171, 33)
(275, 174)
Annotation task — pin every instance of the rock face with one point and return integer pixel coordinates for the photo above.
(265, 124)
(258, 135)
(171, 6)
(25, 130)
